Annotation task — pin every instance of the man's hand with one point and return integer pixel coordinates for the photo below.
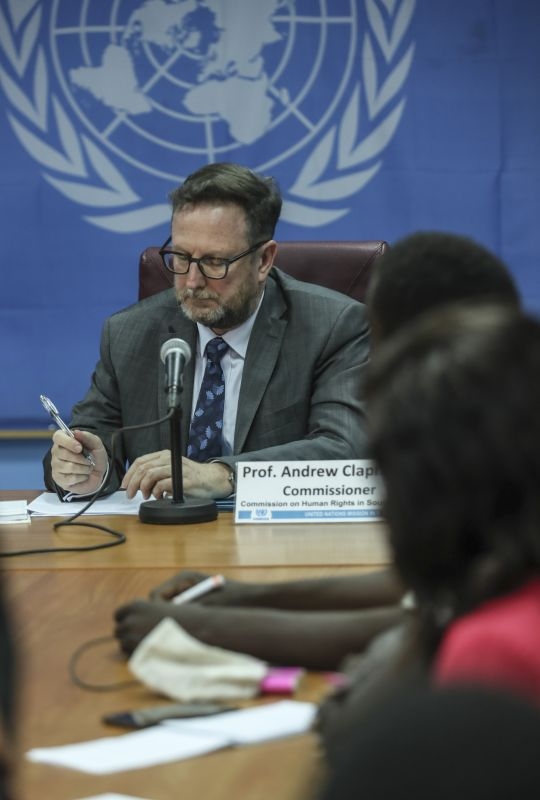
(152, 475)
(136, 619)
(206, 480)
(70, 469)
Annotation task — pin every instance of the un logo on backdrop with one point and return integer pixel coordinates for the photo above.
(103, 94)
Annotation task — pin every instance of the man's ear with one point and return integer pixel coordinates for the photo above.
(267, 259)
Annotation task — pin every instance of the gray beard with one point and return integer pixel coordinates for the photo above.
(223, 318)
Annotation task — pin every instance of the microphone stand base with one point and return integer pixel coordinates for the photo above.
(167, 512)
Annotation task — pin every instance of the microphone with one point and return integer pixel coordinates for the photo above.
(175, 354)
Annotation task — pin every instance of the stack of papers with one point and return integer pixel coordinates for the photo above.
(12, 511)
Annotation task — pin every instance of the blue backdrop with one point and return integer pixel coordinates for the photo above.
(377, 117)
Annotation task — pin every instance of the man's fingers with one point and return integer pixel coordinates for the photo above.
(146, 472)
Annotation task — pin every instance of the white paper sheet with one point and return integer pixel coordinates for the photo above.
(174, 740)
(145, 748)
(109, 796)
(252, 725)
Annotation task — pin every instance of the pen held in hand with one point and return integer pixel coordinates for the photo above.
(50, 407)
(199, 589)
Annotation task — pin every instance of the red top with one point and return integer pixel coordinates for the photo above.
(497, 644)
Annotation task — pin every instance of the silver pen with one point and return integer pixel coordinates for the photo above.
(50, 407)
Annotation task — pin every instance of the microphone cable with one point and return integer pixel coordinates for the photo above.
(77, 680)
(117, 536)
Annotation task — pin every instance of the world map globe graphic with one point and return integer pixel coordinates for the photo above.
(161, 83)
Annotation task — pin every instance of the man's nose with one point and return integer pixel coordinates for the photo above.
(194, 276)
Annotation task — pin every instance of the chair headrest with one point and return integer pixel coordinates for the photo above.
(342, 266)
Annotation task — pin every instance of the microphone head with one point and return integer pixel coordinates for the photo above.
(176, 346)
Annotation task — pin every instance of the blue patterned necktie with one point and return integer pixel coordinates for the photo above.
(205, 433)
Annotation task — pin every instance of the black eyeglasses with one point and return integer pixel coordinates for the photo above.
(213, 267)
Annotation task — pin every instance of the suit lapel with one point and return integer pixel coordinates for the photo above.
(261, 356)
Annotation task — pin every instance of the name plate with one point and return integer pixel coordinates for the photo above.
(308, 491)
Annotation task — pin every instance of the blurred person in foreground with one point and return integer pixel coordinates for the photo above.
(457, 743)
(9, 705)
(455, 431)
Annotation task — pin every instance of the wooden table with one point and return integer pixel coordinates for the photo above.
(61, 600)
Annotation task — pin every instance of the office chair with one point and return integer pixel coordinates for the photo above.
(342, 266)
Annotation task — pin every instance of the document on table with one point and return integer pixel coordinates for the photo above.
(109, 796)
(49, 504)
(175, 740)
(144, 748)
(252, 725)
(13, 511)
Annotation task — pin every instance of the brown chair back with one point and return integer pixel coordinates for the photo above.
(342, 266)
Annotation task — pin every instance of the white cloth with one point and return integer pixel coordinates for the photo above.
(173, 663)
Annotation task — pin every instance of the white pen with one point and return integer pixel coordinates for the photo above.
(199, 589)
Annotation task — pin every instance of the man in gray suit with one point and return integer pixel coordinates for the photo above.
(292, 368)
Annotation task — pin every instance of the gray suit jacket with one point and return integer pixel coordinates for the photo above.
(301, 391)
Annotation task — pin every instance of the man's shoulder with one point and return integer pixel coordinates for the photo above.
(297, 292)
(155, 304)
(139, 321)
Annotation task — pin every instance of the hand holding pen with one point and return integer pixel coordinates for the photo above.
(135, 620)
(199, 589)
(50, 407)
